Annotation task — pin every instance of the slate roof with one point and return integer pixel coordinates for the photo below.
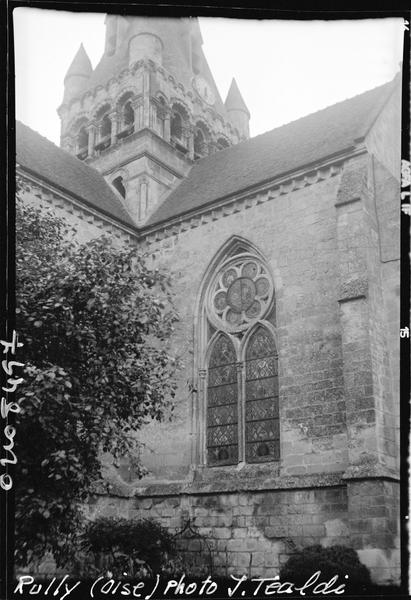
(44, 159)
(274, 154)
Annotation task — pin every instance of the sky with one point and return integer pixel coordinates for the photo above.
(284, 69)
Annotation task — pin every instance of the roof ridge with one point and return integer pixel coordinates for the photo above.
(242, 143)
(324, 133)
(387, 83)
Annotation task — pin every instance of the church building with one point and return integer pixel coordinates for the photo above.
(283, 251)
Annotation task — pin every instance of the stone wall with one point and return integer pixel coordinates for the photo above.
(243, 532)
(296, 233)
(254, 531)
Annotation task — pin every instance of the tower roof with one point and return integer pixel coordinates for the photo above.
(80, 65)
(234, 100)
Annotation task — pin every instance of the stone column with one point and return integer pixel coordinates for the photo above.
(241, 411)
(114, 126)
(136, 105)
(146, 98)
(189, 135)
(202, 418)
(91, 129)
(167, 118)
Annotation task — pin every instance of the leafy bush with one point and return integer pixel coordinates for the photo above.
(331, 561)
(127, 547)
(96, 322)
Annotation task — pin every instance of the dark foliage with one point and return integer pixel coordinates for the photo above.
(127, 547)
(331, 561)
(96, 322)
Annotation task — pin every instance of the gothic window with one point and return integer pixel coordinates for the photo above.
(222, 410)
(118, 184)
(241, 396)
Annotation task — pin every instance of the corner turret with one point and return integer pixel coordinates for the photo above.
(237, 110)
(77, 75)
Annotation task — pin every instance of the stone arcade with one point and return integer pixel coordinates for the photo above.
(284, 253)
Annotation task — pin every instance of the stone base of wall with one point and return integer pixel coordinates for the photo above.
(253, 532)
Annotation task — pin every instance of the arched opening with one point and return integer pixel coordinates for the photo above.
(201, 138)
(82, 143)
(127, 120)
(222, 404)
(199, 144)
(105, 131)
(104, 128)
(119, 185)
(176, 126)
(128, 114)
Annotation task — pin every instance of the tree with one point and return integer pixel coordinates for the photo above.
(96, 323)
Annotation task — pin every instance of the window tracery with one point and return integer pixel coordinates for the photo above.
(240, 293)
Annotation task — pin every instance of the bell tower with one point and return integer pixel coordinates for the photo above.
(149, 109)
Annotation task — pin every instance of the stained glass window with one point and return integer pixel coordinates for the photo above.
(222, 408)
(262, 434)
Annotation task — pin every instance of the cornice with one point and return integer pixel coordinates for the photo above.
(142, 154)
(248, 198)
(215, 210)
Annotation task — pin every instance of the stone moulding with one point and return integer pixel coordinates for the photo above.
(276, 484)
(186, 488)
(241, 202)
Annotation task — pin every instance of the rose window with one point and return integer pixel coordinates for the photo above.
(241, 293)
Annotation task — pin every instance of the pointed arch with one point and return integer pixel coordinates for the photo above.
(237, 280)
